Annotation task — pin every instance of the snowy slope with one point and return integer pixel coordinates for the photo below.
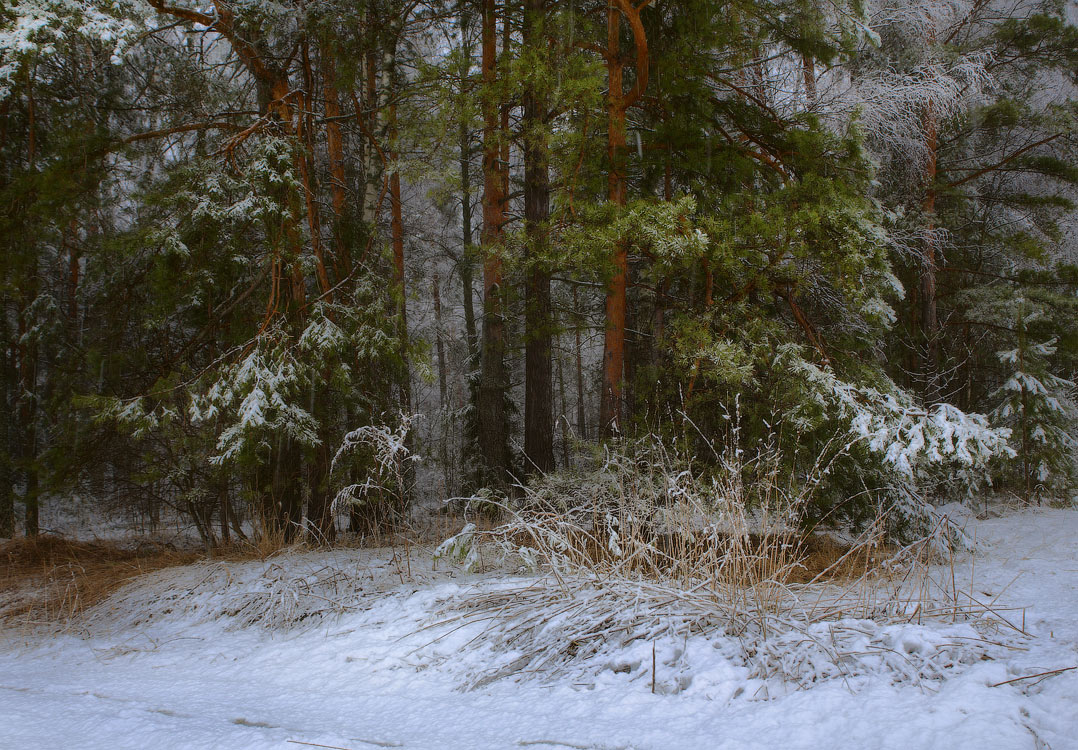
(386, 669)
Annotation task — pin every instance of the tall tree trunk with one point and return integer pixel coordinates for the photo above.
(342, 256)
(71, 240)
(493, 380)
(563, 413)
(32, 524)
(400, 285)
(929, 319)
(445, 417)
(305, 167)
(610, 406)
(372, 166)
(927, 282)
(808, 71)
(26, 357)
(7, 392)
(618, 103)
(400, 290)
(26, 408)
(466, 267)
(7, 476)
(439, 345)
(538, 383)
(581, 411)
(467, 260)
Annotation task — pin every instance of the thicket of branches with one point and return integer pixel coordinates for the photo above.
(301, 261)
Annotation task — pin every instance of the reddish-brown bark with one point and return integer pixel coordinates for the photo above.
(618, 104)
(493, 425)
(335, 151)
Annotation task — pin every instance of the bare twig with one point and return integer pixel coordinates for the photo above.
(1042, 675)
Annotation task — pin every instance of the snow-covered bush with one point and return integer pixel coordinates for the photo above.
(169, 450)
(1026, 381)
(1039, 408)
(257, 400)
(269, 388)
(891, 454)
(385, 453)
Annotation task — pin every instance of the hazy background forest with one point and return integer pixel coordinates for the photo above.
(301, 268)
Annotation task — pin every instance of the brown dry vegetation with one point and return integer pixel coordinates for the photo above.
(822, 558)
(50, 579)
(779, 557)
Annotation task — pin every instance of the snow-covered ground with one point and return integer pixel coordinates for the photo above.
(175, 661)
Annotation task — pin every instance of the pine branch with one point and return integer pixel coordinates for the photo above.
(1005, 161)
(180, 129)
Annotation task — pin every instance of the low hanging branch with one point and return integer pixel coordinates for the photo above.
(240, 138)
(222, 23)
(640, 40)
(759, 156)
(1004, 162)
(742, 91)
(191, 127)
(806, 325)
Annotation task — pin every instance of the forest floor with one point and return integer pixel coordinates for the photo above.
(355, 649)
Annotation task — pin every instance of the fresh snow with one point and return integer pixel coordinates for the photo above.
(176, 660)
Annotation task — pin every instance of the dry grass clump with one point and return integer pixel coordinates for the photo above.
(646, 548)
(50, 579)
(646, 513)
(273, 594)
(780, 606)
